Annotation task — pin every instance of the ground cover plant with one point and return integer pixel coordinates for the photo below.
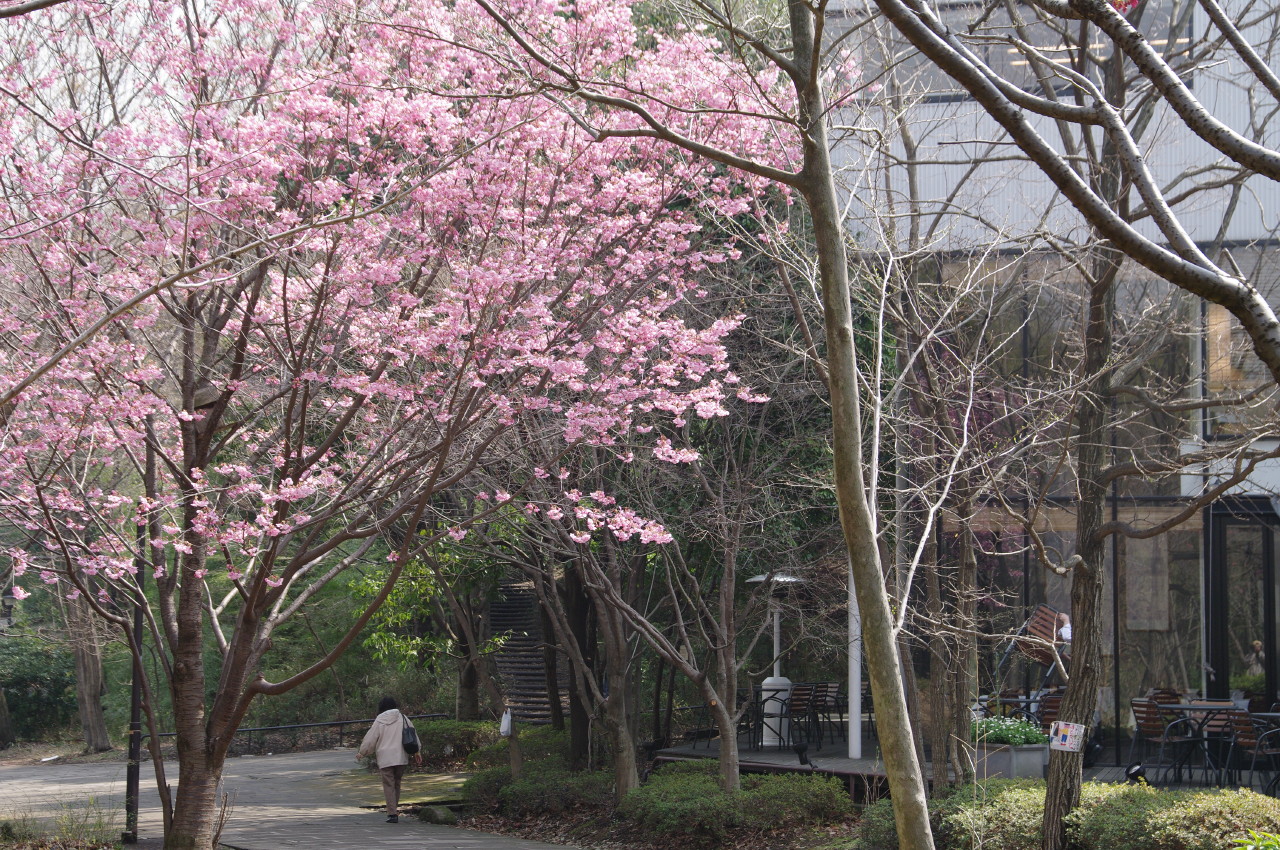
(1007, 814)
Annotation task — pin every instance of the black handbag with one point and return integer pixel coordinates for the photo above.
(409, 737)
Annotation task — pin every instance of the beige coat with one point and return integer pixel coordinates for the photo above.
(385, 739)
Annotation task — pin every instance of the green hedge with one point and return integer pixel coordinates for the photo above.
(537, 743)
(546, 783)
(1182, 820)
(685, 799)
(447, 742)
(550, 788)
(481, 789)
(1006, 815)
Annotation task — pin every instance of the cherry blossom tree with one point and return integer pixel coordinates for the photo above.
(276, 275)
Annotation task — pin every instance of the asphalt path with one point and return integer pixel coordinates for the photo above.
(319, 801)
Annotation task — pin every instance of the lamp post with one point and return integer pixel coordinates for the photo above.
(775, 690)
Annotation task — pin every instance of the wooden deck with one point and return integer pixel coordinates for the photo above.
(865, 777)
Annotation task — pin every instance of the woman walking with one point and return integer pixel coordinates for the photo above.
(385, 740)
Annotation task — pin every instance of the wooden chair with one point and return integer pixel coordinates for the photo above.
(1035, 640)
(801, 713)
(1215, 732)
(1047, 712)
(1179, 738)
(1253, 742)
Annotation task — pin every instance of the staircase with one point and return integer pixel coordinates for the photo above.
(515, 616)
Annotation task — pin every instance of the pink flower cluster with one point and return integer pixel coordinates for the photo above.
(382, 254)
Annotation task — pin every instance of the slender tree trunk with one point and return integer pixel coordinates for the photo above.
(615, 638)
(897, 745)
(89, 680)
(1066, 770)
(578, 613)
(966, 643)
(468, 705)
(551, 668)
(1081, 696)
(7, 737)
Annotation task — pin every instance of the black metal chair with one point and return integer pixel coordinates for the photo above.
(831, 706)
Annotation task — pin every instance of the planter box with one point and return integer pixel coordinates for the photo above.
(1005, 762)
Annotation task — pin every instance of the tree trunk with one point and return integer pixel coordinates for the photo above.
(1078, 703)
(550, 667)
(615, 640)
(1093, 411)
(89, 690)
(966, 642)
(200, 759)
(89, 681)
(626, 769)
(897, 745)
(7, 737)
(730, 758)
(195, 806)
(468, 705)
(578, 612)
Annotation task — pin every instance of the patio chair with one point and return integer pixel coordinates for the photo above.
(1034, 639)
(802, 716)
(1177, 739)
(1253, 742)
(1047, 712)
(831, 706)
(869, 708)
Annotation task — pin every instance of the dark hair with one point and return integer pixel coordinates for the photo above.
(387, 704)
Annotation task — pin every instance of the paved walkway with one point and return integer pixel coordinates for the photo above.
(308, 800)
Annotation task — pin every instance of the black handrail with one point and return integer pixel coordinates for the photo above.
(341, 724)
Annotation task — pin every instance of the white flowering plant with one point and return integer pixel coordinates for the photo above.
(1008, 730)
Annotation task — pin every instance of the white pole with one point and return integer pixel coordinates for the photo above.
(777, 641)
(855, 672)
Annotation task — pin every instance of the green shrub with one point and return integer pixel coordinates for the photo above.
(40, 686)
(684, 799)
(792, 799)
(446, 742)
(876, 829)
(1006, 815)
(1114, 815)
(481, 790)
(1004, 818)
(550, 788)
(684, 803)
(1210, 820)
(537, 743)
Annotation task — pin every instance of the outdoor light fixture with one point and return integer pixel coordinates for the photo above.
(1135, 773)
(778, 584)
(802, 753)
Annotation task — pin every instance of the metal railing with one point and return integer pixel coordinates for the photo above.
(285, 738)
